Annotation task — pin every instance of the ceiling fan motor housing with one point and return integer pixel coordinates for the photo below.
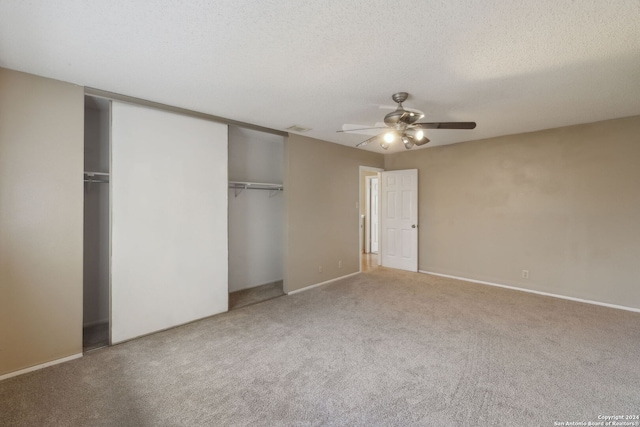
(400, 119)
(400, 97)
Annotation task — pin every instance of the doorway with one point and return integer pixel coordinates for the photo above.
(397, 228)
(369, 218)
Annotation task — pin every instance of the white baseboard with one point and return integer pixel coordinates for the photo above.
(548, 294)
(40, 366)
(306, 288)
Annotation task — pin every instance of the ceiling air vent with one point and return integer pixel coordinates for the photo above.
(296, 128)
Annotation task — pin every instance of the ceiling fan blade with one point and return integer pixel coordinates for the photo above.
(447, 125)
(366, 141)
(355, 130)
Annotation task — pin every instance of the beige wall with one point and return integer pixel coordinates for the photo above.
(41, 199)
(562, 203)
(321, 203)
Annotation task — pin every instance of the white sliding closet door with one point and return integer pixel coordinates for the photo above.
(169, 261)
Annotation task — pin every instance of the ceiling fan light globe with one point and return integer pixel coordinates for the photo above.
(384, 145)
(389, 137)
(416, 133)
(422, 141)
(407, 141)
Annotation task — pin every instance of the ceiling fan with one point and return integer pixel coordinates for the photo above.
(402, 126)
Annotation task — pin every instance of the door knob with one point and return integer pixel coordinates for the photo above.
(413, 226)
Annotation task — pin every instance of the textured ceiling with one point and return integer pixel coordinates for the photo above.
(511, 66)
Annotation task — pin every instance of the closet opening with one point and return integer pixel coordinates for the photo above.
(256, 217)
(96, 259)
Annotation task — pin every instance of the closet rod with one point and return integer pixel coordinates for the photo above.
(95, 178)
(239, 186)
(256, 188)
(254, 184)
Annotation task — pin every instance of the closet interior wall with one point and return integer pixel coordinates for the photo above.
(96, 214)
(256, 217)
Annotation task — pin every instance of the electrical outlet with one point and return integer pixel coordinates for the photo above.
(340, 264)
(525, 274)
(319, 269)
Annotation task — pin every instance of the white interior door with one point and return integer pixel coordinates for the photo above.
(169, 259)
(374, 224)
(399, 219)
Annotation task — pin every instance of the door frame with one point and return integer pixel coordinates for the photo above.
(362, 210)
(369, 214)
(371, 210)
(366, 227)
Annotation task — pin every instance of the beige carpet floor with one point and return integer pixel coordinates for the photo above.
(377, 349)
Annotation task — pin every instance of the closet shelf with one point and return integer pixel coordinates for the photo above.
(239, 186)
